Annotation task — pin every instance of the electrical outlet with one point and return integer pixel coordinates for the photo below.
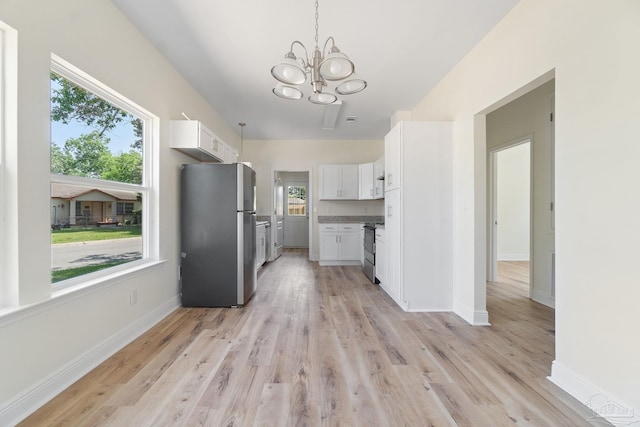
(133, 297)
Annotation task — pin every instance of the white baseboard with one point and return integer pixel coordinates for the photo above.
(21, 406)
(471, 316)
(544, 299)
(601, 403)
(513, 257)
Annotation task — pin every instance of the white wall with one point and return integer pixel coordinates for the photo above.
(269, 156)
(590, 46)
(48, 341)
(513, 185)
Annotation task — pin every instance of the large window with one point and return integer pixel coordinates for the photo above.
(100, 183)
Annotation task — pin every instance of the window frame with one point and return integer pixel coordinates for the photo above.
(8, 133)
(3, 52)
(147, 187)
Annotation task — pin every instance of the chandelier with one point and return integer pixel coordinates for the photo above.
(331, 65)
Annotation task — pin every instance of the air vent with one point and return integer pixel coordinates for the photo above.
(331, 112)
(351, 119)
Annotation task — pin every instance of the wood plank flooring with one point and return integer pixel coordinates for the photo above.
(322, 346)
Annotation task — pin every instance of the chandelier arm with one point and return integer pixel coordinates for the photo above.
(333, 44)
(306, 54)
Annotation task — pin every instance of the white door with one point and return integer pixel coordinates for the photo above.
(296, 215)
(278, 198)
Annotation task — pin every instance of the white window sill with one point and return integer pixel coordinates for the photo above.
(62, 295)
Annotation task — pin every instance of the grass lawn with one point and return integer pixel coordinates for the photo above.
(58, 275)
(70, 235)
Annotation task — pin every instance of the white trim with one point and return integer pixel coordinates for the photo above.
(471, 316)
(11, 315)
(8, 188)
(21, 406)
(428, 310)
(614, 411)
(543, 299)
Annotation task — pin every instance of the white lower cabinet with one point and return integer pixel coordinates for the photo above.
(393, 246)
(381, 259)
(340, 244)
(261, 246)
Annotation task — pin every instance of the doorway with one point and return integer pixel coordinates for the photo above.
(510, 206)
(296, 214)
(292, 195)
(528, 117)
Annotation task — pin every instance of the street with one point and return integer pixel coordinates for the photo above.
(70, 255)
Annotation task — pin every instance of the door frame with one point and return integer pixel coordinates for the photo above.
(310, 202)
(492, 204)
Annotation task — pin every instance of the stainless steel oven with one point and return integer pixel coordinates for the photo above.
(370, 252)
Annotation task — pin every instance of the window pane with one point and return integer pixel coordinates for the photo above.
(297, 200)
(92, 137)
(88, 233)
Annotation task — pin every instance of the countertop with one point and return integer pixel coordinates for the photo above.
(371, 219)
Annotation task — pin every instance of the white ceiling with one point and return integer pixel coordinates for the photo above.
(226, 49)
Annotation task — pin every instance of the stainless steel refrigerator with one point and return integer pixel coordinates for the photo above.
(218, 234)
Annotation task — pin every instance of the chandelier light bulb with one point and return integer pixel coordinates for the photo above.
(289, 71)
(287, 92)
(354, 85)
(323, 98)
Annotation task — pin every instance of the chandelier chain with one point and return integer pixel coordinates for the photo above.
(317, 24)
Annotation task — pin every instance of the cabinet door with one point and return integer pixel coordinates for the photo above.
(350, 245)
(329, 242)
(392, 164)
(206, 139)
(329, 182)
(378, 184)
(231, 155)
(393, 244)
(349, 182)
(381, 260)
(260, 245)
(365, 181)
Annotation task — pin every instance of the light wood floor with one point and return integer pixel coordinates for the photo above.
(323, 346)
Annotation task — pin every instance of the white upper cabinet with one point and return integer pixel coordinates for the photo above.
(338, 182)
(196, 140)
(392, 159)
(378, 179)
(230, 154)
(366, 181)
